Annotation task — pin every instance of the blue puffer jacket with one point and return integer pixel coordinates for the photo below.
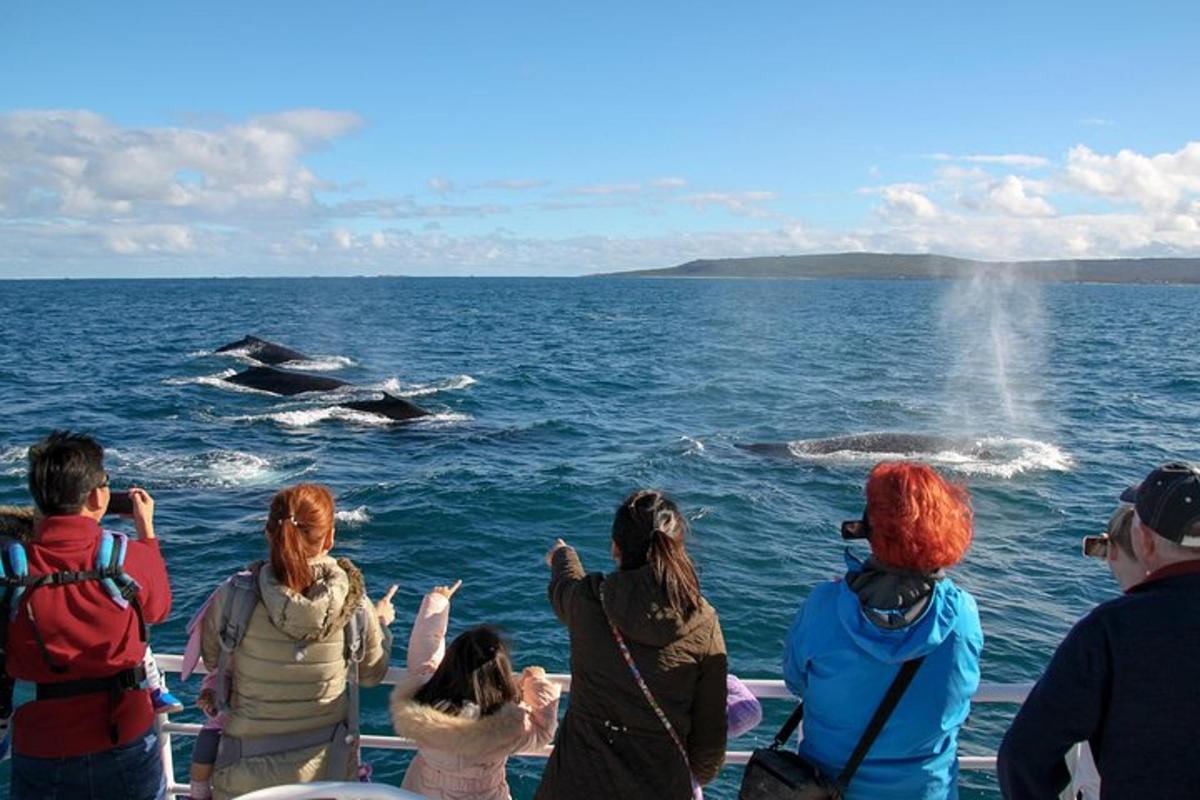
(842, 663)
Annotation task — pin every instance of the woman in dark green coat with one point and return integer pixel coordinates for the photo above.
(612, 742)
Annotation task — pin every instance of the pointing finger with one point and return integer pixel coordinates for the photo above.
(391, 592)
(455, 587)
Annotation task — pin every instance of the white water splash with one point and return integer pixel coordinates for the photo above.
(691, 447)
(216, 381)
(13, 461)
(213, 468)
(395, 387)
(320, 363)
(354, 517)
(991, 456)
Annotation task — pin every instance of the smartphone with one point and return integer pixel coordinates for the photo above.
(1095, 546)
(120, 503)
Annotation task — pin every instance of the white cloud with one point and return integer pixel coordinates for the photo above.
(669, 183)
(512, 184)
(1161, 183)
(1015, 160)
(746, 204)
(606, 188)
(1097, 122)
(1011, 196)
(902, 201)
(441, 185)
(79, 192)
(80, 166)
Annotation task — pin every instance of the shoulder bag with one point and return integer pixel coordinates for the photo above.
(776, 773)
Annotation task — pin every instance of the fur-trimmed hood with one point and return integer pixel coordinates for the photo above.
(324, 608)
(18, 521)
(466, 736)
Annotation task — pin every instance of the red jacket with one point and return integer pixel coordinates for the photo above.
(86, 630)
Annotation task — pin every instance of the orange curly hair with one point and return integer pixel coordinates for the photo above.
(918, 520)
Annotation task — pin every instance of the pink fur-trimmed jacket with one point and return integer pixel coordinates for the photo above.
(463, 757)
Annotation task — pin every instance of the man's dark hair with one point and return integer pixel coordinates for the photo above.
(63, 468)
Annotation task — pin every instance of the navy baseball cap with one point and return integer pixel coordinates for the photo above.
(1168, 502)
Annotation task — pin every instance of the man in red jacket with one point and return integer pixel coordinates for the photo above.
(90, 732)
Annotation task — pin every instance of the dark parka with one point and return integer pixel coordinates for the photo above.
(611, 744)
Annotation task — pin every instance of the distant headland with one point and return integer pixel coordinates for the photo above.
(903, 265)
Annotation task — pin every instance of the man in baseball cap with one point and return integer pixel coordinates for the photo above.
(1168, 503)
(1122, 679)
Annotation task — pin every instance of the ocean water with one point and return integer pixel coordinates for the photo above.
(554, 398)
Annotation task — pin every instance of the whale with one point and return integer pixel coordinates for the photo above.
(389, 406)
(283, 381)
(908, 444)
(262, 351)
(289, 383)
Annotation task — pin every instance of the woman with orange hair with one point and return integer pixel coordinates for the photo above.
(847, 644)
(288, 641)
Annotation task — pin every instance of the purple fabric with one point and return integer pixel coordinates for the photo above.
(741, 706)
(195, 627)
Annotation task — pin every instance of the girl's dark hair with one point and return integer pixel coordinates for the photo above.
(477, 669)
(650, 529)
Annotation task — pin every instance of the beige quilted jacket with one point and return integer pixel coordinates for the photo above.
(289, 673)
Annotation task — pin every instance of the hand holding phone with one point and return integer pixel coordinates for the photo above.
(143, 512)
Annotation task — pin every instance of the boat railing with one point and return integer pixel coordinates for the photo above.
(1012, 693)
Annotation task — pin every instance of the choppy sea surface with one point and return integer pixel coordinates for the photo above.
(554, 398)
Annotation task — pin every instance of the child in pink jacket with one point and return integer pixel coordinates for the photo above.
(465, 709)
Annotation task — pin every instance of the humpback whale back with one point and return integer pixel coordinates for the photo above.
(281, 381)
(989, 455)
(901, 443)
(262, 351)
(391, 407)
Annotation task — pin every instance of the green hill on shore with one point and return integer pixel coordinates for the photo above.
(901, 265)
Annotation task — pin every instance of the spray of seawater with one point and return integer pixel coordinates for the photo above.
(994, 323)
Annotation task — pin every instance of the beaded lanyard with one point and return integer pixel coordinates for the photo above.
(637, 676)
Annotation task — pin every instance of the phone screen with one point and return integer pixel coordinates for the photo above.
(1095, 546)
(120, 503)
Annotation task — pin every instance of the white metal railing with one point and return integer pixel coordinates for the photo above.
(762, 689)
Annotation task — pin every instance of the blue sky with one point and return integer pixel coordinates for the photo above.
(529, 138)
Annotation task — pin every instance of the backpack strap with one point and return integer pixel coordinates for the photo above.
(110, 560)
(355, 638)
(8, 569)
(240, 600)
(17, 563)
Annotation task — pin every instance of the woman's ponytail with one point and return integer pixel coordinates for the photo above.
(300, 522)
(650, 529)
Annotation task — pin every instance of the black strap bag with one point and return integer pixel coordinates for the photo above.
(776, 773)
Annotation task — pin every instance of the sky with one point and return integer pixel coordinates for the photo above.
(523, 138)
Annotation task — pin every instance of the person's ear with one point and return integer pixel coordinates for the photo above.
(616, 551)
(1144, 546)
(328, 545)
